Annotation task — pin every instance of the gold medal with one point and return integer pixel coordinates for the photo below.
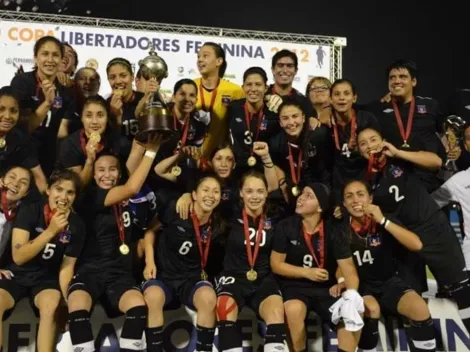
(95, 137)
(176, 171)
(204, 275)
(251, 275)
(118, 92)
(124, 249)
(295, 191)
(197, 154)
(405, 145)
(3, 142)
(251, 161)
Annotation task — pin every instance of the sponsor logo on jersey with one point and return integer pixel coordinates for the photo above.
(421, 109)
(467, 107)
(396, 172)
(388, 111)
(226, 194)
(267, 224)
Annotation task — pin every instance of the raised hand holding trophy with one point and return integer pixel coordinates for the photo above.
(157, 117)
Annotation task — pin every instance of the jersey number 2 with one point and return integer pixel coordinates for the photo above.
(396, 192)
(366, 257)
(49, 251)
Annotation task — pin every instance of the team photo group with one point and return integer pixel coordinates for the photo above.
(225, 196)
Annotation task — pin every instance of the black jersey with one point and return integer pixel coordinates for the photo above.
(373, 252)
(397, 191)
(129, 122)
(47, 263)
(102, 246)
(427, 121)
(289, 239)
(348, 162)
(177, 252)
(236, 259)
(18, 151)
(315, 151)
(262, 126)
(72, 151)
(305, 103)
(190, 134)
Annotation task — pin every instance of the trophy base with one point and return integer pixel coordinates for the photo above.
(156, 121)
(144, 136)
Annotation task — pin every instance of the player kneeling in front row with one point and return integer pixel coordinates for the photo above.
(47, 236)
(374, 240)
(306, 253)
(182, 249)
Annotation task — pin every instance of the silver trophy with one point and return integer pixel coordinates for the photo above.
(454, 129)
(157, 117)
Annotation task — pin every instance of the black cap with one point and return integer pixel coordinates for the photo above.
(322, 192)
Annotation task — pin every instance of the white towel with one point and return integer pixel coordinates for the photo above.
(348, 308)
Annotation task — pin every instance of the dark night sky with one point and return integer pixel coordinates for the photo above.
(431, 33)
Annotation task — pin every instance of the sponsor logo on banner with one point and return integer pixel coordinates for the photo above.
(178, 50)
(180, 334)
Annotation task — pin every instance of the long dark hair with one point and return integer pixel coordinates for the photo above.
(219, 53)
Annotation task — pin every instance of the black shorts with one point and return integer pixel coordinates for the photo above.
(181, 291)
(387, 293)
(442, 251)
(317, 299)
(245, 292)
(19, 291)
(107, 287)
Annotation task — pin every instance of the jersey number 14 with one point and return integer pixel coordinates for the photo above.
(366, 257)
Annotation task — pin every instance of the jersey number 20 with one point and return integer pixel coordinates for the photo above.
(253, 237)
(366, 257)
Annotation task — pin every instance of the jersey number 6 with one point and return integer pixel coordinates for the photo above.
(185, 248)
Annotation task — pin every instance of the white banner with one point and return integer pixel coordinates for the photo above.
(20, 330)
(178, 50)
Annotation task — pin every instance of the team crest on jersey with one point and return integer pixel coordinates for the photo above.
(264, 125)
(226, 99)
(311, 150)
(267, 224)
(396, 171)
(191, 132)
(65, 237)
(374, 240)
(226, 194)
(421, 109)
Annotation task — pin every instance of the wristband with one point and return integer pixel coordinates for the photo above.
(150, 154)
(386, 223)
(383, 221)
(340, 280)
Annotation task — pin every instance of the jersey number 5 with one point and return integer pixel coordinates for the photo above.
(49, 251)
(396, 192)
(366, 257)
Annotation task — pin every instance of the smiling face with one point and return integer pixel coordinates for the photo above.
(16, 181)
(369, 142)
(9, 114)
(94, 118)
(61, 195)
(88, 82)
(400, 83)
(68, 64)
(120, 78)
(254, 193)
(319, 92)
(107, 171)
(207, 60)
(255, 88)
(48, 59)
(284, 71)
(186, 98)
(355, 197)
(207, 195)
(342, 97)
(292, 119)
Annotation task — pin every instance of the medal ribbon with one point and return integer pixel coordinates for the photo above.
(252, 256)
(176, 123)
(118, 216)
(321, 249)
(369, 226)
(48, 214)
(352, 138)
(9, 214)
(295, 173)
(404, 135)
(375, 162)
(213, 96)
(84, 141)
(203, 249)
(248, 119)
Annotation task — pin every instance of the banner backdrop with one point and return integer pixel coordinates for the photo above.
(20, 330)
(100, 45)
